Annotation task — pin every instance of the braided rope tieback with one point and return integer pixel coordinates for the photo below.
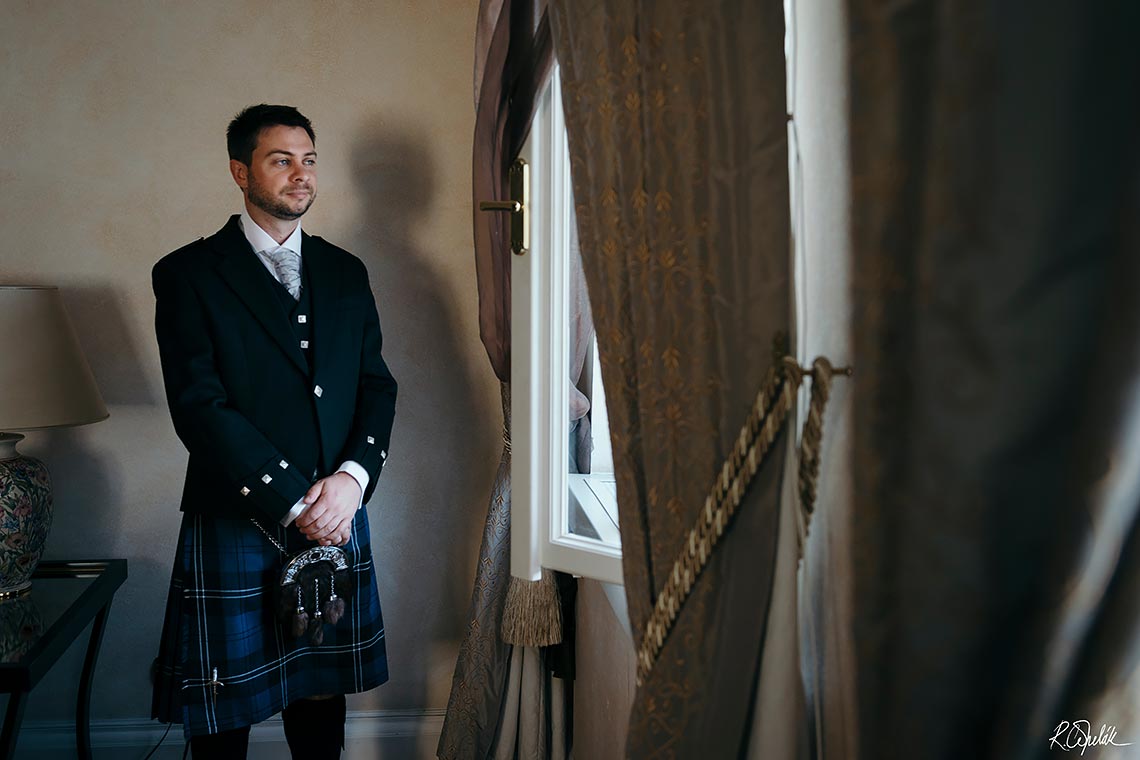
(811, 440)
(760, 429)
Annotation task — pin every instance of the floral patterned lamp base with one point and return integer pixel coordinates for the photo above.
(21, 626)
(25, 516)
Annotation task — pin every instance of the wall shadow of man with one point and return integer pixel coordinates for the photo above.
(430, 514)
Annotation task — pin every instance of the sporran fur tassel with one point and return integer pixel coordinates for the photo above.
(334, 610)
(300, 617)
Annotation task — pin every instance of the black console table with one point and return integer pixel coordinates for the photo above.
(35, 630)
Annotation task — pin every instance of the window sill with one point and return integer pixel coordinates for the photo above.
(594, 498)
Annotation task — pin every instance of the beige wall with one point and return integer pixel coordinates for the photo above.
(803, 700)
(112, 153)
(605, 677)
(823, 289)
(807, 665)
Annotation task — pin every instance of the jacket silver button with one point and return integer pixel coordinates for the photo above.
(244, 491)
(318, 391)
(266, 479)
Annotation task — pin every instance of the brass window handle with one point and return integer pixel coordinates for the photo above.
(517, 207)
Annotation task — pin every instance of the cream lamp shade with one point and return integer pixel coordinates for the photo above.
(44, 379)
(44, 382)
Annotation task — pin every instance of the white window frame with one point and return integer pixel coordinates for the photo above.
(540, 371)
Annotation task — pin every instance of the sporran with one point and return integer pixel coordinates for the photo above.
(312, 590)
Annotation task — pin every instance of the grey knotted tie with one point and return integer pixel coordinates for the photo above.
(288, 266)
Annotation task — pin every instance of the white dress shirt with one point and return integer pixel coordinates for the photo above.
(263, 244)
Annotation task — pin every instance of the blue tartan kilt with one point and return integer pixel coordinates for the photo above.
(224, 661)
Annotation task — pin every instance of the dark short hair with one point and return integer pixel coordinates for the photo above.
(243, 131)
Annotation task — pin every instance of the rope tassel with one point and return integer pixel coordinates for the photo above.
(532, 615)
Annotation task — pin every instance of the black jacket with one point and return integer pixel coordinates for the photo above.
(257, 419)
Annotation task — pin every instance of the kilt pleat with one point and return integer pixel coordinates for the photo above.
(224, 661)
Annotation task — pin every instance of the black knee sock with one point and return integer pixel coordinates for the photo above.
(314, 728)
(225, 745)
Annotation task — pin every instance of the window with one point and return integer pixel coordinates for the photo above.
(560, 519)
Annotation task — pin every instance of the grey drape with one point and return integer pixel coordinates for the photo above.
(997, 349)
(482, 669)
(581, 336)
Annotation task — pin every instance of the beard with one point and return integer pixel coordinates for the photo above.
(279, 206)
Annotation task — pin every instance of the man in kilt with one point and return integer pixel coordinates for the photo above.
(270, 346)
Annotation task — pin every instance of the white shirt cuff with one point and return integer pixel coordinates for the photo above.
(294, 513)
(359, 474)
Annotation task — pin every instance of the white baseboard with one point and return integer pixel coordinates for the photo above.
(414, 731)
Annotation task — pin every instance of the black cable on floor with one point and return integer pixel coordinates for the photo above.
(160, 741)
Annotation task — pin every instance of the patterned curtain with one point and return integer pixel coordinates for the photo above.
(678, 147)
(996, 202)
(504, 702)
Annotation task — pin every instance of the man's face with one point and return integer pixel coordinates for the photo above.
(281, 179)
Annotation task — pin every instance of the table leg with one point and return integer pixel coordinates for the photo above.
(12, 718)
(83, 703)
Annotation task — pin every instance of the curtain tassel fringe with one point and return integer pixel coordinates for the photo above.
(532, 615)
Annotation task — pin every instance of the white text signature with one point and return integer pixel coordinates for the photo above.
(1079, 735)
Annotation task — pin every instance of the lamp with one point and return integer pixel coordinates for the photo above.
(44, 382)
